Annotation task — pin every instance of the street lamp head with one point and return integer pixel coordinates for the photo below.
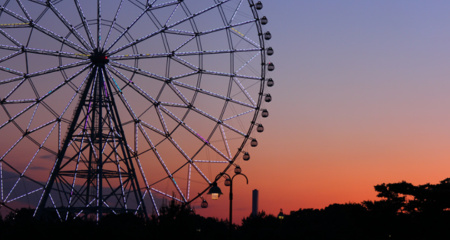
(281, 215)
(215, 191)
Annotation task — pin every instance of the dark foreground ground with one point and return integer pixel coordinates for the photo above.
(404, 211)
(337, 221)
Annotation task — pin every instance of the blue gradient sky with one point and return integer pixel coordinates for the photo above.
(361, 97)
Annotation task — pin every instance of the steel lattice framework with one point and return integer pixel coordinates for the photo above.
(116, 106)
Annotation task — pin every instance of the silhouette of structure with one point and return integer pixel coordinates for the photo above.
(102, 159)
(255, 202)
(116, 107)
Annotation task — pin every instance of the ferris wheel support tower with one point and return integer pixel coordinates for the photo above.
(101, 158)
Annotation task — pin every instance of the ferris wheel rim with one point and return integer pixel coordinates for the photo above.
(83, 64)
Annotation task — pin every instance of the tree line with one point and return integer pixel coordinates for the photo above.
(403, 211)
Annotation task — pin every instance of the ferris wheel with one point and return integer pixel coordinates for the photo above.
(121, 105)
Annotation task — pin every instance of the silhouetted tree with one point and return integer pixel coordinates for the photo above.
(180, 221)
(432, 199)
(407, 198)
(261, 226)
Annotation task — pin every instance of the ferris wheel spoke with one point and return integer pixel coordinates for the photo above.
(84, 22)
(162, 193)
(59, 68)
(149, 190)
(152, 128)
(143, 124)
(112, 25)
(212, 94)
(223, 74)
(161, 161)
(138, 71)
(179, 94)
(114, 71)
(12, 71)
(127, 29)
(69, 26)
(213, 52)
(185, 75)
(15, 15)
(12, 118)
(235, 31)
(191, 130)
(149, 74)
(161, 30)
(188, 159)
(149, 9)
(42, 127)
(22, 80)
(10, 38)
(24, 10)
(244, 91)
(133, 43)
(30, 161)
(139, 56)
(132, 85)
(38, 99)
(99, 23)
(40, 2)
(23, 49)
(178, 32)
(247, 62)
(140, 167)
(161, 120)
(147, 138)
(11, 148)
(212, 162)
(176, 54)
(14, 79)
(10, 56)
(59, 38)
(145, 10)
(185, 63)
(235, 11)
(24, 195)
(122, 97)
(35, 101)
(35, 25)
(245, 38)
(225, 124)
(172, 13)
(144, 73)
(225, 141)
(76, 90)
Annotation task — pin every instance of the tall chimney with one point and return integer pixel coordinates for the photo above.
(255, 203)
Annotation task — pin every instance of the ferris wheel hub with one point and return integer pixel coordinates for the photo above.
(99, 58)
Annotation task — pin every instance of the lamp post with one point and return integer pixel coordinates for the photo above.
(281, 215)
(215, 191)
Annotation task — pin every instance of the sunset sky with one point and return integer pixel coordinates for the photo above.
(361, 97)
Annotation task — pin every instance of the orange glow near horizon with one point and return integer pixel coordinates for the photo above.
(361, 97)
